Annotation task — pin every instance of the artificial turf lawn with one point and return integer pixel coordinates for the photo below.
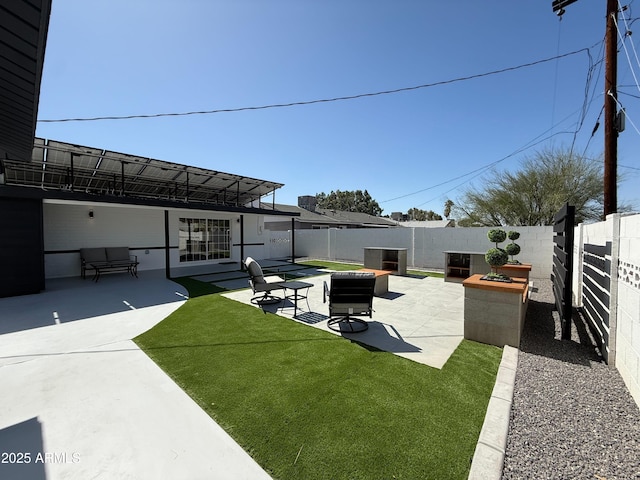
(348, 266)
(307, 404)
(196, 288)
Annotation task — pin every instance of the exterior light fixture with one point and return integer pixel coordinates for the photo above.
(90, 213)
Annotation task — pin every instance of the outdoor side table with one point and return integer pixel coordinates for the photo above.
(297, 288)
(382, 281)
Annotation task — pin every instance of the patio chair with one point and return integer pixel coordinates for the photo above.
(260, 284)
(350, 296)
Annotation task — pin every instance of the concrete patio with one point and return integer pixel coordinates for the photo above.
(420, 318)
(79, 389)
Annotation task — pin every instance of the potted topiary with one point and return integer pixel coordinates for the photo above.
(496, 257)
(513, 248)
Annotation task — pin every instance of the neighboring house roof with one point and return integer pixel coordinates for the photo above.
(25, 25)
(304, 215)
(360, 218)
(428, 224)
(335, 218)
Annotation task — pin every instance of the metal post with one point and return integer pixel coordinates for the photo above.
(167, 246)
(71, 174)
(122, 178)
(242, 242)
(293, 240)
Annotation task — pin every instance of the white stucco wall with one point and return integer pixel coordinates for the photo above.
(67, 228)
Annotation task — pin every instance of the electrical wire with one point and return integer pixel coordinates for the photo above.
(624, 45)
(522, 149)
(593, 132)
(628, 33)
(584, 109)
(478, 171)
(311, 102)
(585, 103)
(557, 70)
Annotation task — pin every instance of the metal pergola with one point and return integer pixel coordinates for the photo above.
(72, 168)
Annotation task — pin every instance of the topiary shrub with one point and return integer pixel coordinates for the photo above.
(496, 257)
(496, 235)
(513, 248)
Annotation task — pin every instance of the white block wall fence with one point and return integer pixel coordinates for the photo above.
(425, 246)
(619, 238)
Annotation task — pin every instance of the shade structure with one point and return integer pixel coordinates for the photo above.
(62, 166)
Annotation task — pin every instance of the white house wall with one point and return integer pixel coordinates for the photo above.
(68, 227)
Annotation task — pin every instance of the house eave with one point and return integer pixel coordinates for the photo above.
(12, 191)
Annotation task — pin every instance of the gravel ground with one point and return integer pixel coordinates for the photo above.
(572, 415)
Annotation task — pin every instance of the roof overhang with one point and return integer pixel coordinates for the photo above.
(71, 172)
(10, 191)
(23, 36)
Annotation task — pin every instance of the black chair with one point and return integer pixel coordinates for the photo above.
(350, 296)
(260, 284)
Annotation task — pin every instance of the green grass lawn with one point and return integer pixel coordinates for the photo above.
(307, 404)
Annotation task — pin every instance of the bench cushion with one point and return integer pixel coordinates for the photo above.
(117, 254)
(93, 255)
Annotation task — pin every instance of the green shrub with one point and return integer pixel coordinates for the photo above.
(496, 235)
(496, 257)
(512, 249)
(513, 236)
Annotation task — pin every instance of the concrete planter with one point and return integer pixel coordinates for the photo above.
(494, 312)
(521, 270)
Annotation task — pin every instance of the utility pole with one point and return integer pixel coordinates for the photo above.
(610, 103)
(610, 111)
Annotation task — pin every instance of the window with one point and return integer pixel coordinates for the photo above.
(204, 239)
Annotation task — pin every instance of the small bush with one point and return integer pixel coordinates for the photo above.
(513, 235)
(496, 235)
(496, 257)
(512, 249)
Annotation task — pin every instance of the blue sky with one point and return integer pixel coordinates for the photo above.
(414, 148)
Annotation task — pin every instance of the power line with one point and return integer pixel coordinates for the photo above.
(624, 45)
(311, 102)
(484, 169)
(478, 171)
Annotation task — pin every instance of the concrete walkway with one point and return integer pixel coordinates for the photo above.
(82, 401)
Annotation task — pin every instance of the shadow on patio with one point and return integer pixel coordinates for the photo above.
(420, 318)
